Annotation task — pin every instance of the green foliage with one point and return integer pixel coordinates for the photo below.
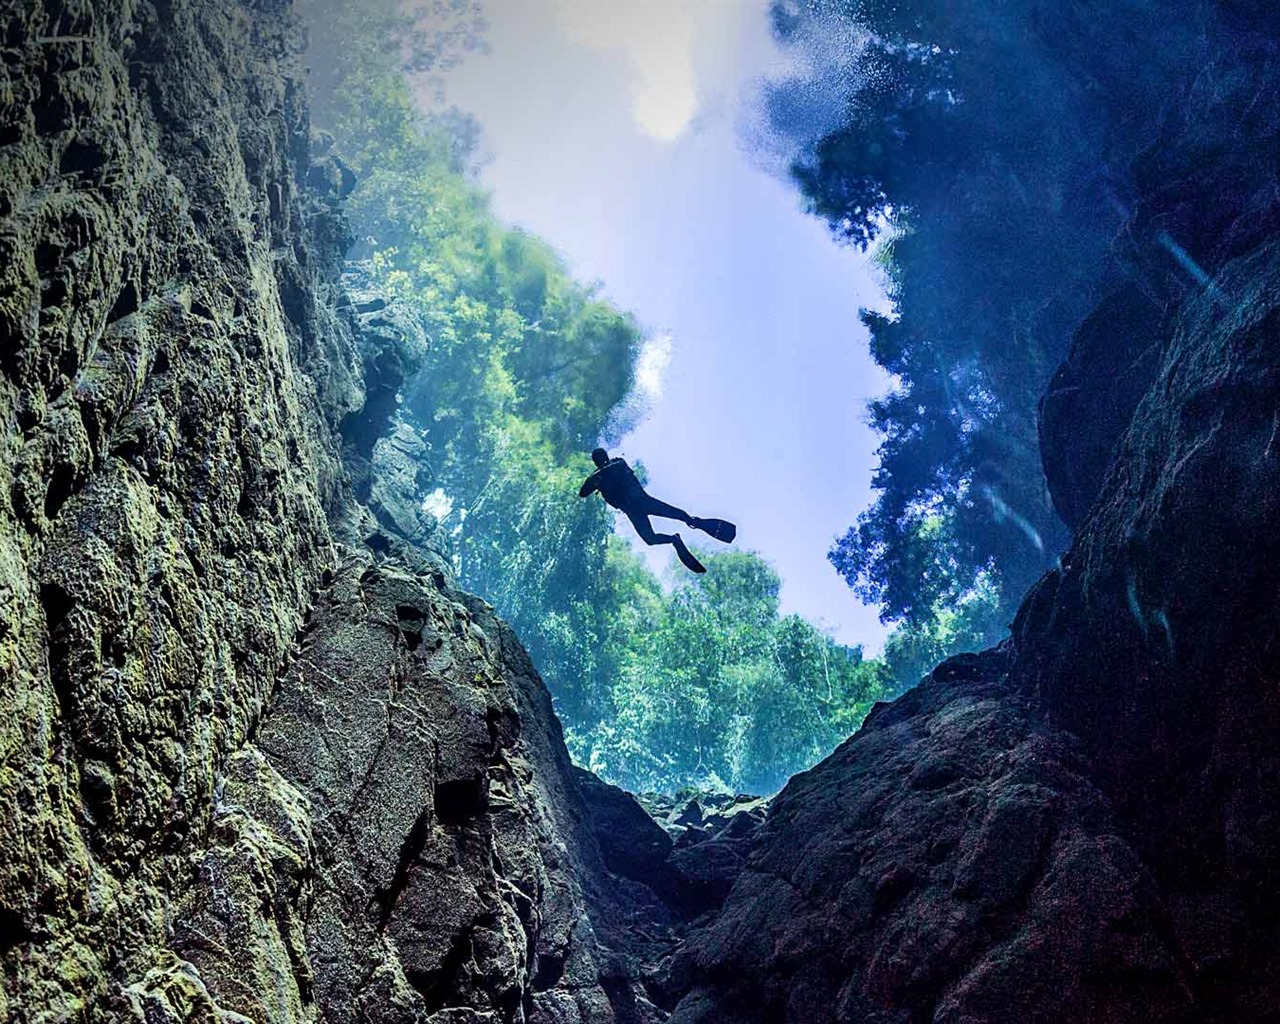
(712, 686)
(360, 54)
(965, 622)
(526, 370)
(524, 366)
(1015, 162)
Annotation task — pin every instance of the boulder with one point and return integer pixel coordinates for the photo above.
(633, 845)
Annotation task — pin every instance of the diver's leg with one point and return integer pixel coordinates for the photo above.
(687, 556)
(717, 528)
(645, 528)
(653, 507)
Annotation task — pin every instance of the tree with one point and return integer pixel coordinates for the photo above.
(991, 151)
(716, 689)
(700, 682)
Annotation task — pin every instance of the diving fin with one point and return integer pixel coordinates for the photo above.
(717, 528)
(686, 555)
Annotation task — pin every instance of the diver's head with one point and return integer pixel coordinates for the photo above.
(600, 457)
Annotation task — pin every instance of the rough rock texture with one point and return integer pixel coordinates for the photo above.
(632, 843)
(421, 847)
(1157, 642)
(259, 759)
(387, 457)
(951, 862)
(1092, 397)
(687, 857)
(169, 384)
(711, 847)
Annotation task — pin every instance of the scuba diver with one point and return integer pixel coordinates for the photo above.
(620, 487)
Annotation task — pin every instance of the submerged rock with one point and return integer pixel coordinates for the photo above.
(448, 858)
(1156, 642)
(261, 760)
(690, 859)
(1091, 399)
(633, 844)
(170, 378)
(953, 862)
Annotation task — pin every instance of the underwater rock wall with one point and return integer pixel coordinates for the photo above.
(1158, 643)
(953, 861)
(261, 760)
(168, 383)
(406, 809)
(1081, 824)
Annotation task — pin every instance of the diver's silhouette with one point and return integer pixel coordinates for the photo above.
(619, 487)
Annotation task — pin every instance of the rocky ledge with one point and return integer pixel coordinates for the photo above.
(954, 861)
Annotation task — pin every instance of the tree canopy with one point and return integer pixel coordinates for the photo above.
(698, 682)
(991, 152)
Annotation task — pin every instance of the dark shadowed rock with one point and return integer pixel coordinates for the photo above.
(1091, 399)
(689, 814)
(1156, 643)
(692, 873)
(632, 843)
(953, 861)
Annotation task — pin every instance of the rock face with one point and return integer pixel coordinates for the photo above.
(1092, 397)
(259, 758)
(1157, 641)
(686, 856)
(953, 861)
(421, 846)
(632, 843)
(170, 380)
(386, 456)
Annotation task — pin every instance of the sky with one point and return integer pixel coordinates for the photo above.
(615, 130)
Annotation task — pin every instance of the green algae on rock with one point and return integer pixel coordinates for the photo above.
(250, 769)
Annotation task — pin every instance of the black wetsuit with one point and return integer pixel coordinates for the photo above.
(619, 486)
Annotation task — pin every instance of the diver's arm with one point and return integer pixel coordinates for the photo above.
(589, 486)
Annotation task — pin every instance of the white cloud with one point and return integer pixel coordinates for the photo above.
(656, 39)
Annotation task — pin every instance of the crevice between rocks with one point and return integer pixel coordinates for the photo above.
(433, 986)
(410, 850)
